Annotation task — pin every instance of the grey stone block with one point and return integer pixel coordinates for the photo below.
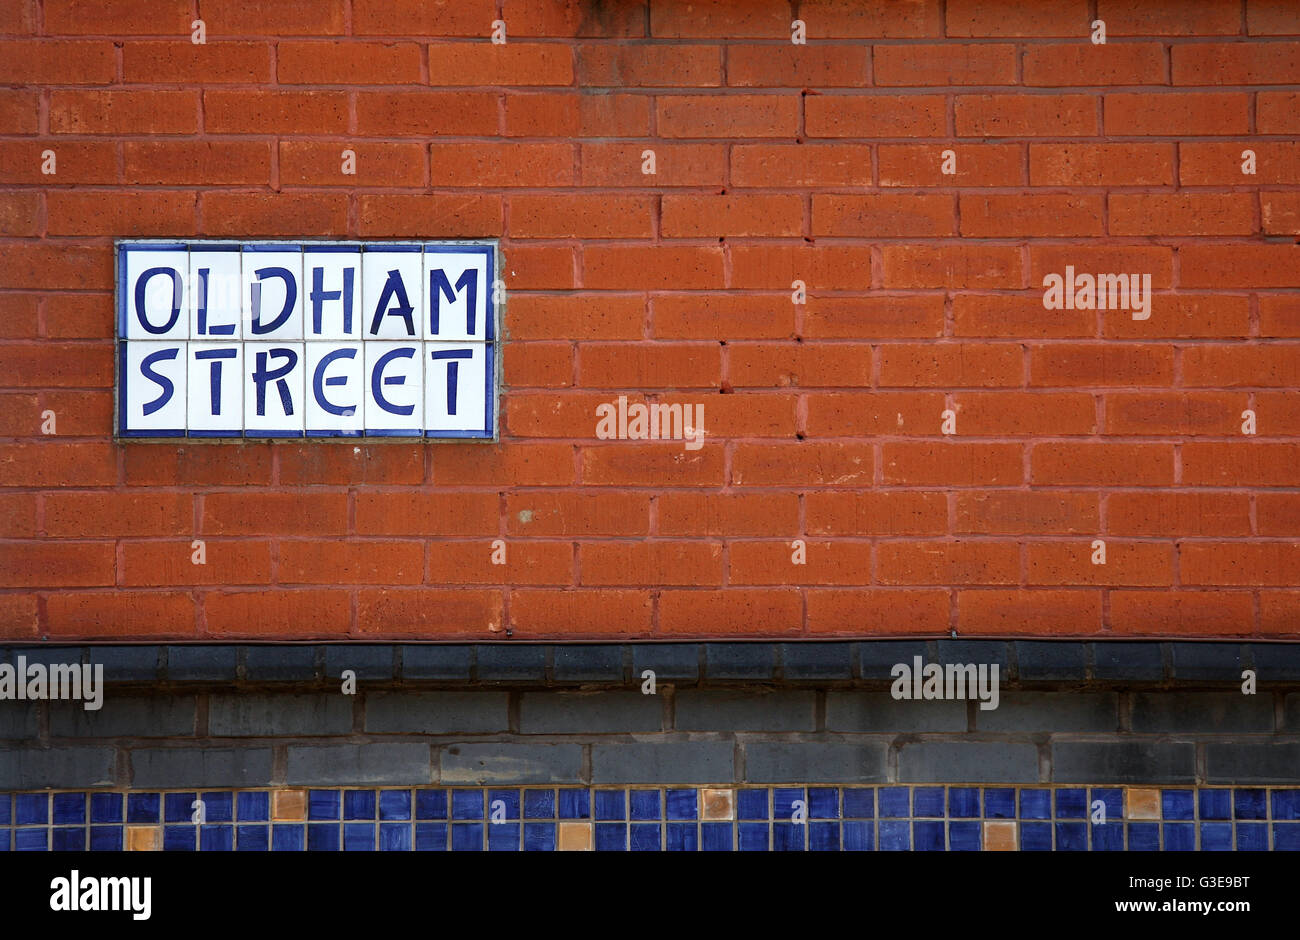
(812, 661)
(508, 663)
(507, 762)
(1202, 712)
(125, 663)
(201, 662)
(246, 714)
(436, 661)
(1292, 718)
(968, 762)
(280, 663)
(167, 767)
(975, 651)
(1032, 712)
(800, 762)
(368, 662)
(588, 663)
(661, 761)
(668, 661)
(1276, 662)
(1213, 661)
(134, 716)
(1128, 661)
(710, 710)
(395, 762)
(740, 661)
(437, 712)
(611, 712)
(18, 721)
(1103, 762)
(1050, 659)
(32, 768)
(49, 655)
(877, 658)
(1253, 762)
(881, 713)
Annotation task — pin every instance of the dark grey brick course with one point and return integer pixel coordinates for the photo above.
(877, 658)
(201, 662)
(1033, 712)
(668, 661)
(825, 761)
(1059, 659)
(505, 663)
(368, 662)
(878, 711)
(18, 720)
(663, 762)
(1202, 712)
(383, 762)
(1276, 661)
(968, 761)
(1212, 661)
(809, 661)
(715, 710)
(740, 661)
(126, 716)
(164, 767)
(511, 762)
(975, 651)
(588, 663)
(1129, 661)
(32, 768)
(125, 663)
(1104, 762)
(451, 712)
(589, 712)
(448, 663)
(243, 714)
(1253, 762)
(264, 663)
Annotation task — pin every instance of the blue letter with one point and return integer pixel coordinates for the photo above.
(318, 388)
(319, 295)
(216, 355)
(142, 282)
(290, 295)
(403, 353)
(439, 285)
(403, 309)
(261, 376)
(168, 389)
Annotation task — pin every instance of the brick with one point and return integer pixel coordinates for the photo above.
(651, 563)
(1102, 464)
(1007, 18)
(657, 267)
(781, 762)
(1251, 762)
(51, 268)
(884, 216)
(580, 613)
(244, 215)
(1234, 563)
(767, 66)
(1128, 661)
(129, 17)
(162, 564)
(835, 19)
(534, 165)
(809, 365)
(692, 216)
(285, 19)
(134, 716)
(826, 563)
(1219, 164)
(219, 62)
(946, 64)
(374, 164)
(171, 465)
(1020, 712)
(1178, 513)
(54, 464)
(452, 113)
(1225, 365)
(1278, 513)
(1151, 762)
(1272, 18)
(1012, 512)
(59, 364)
(854, 414)
(281, 663)
(1153, 18)
(951, 464)
(872, 116)
(660, 762)
(802, 463)
(617, 66)
(1074, 64)
(1187, 316)
(521, 464)
(275, 513)
(730, 612)
(880, 713)
(1016, 315)
(1037, 660)
(18, 515)
(27, 768)
(1276, 112)
(589, 713)
(31, 62)
(620, 164)
(693, 316)
(19, 112)
(728, 19)
(947, 563)
(478, 764)
(1280, 213)
(975, 165)
(1029, 612)
(333, 562)
(279, 714)
(962, 761)
(1235, 63)
(1201, 713)
(1013, 414)
(588, 661)
(286, 112)
(1185, 613)
(604, 216)
(1033, 216)
(126, 663)
(952, 267)
(1026, 115)
(207, 766)
(458, 216)
(729, 514)
(577, 513)
(416, 18)
(526, 563)
(881, 512)
(740, 660)
(111, 213)
(709, 710)
(1216, 413)
(511, 63)
(1183, 214)
(1127, 563)
(590, 316)
(73, 514)
(816, 661)
(667, 660)
(530, 19)
(1053, 164)
(1247, 463)
(56, 564)
(951, 365)
(349, 62)
(775, 266)
(124, 112)
(375, 762)
(731, 116)
(880, 611)
(202, 662)
(279, 614)
(1097, 364)
(1215, 661)
(1053, 259)
(1176, 114)
(452, 712)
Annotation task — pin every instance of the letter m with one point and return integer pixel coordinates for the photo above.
(961, 676)
(440, 286)
(119, 889)
(65, 680)
(1112, 291)
(666, 422)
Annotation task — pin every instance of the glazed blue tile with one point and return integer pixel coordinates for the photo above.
(1249, 804)
(69, 809)
(180, 838)
(750, 804)
(1112, 798)
(643, 837)
(788, 837)
(1071, 803)
(106, 807)
(430, 837)
(32, 809)
(466, 804)
(359, 804)
(1000, 803)
(927, 836)
(611, 804)
(823, 803)
(1071, 837)
(539, 804)
(539, 837)
(859, 836)
(927, 801)
(253, 807)
(69, 839)
(142, 807)
(1144, 837)
(359, 837)
(6, 807)
(716, 837)
(503, 837)
(1035, 804)
(1216, 804)
(109, 839)
(1252, 837)
(430, 804)
(895, 836)
(1216, 837)
(178, 807)
(824, 837)
(31, 840)
(895, 803)
(575, 804)
(1108, 838)
(963, 802)
(252, 838)
(1286, 837)
(752, 837)
(1036, 837)
(1177, 804)
(503, 802)
(396, 837)
(218, 806)
(322, 837)
(1286, 804)
(681, 837)
(396, 804)
(610, 837)
(785, 800)
(467, 837)
(323, 804)
(1180, 837)
(859, 803)
(288, 838)
(964, 836)
(682, 804)
(646, 804)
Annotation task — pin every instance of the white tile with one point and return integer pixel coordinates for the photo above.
(152, 396)
(331, 293)
(457, 288)
(278, 410)
(154, 294)
(394, 383)
(457, 386)
(393, 295)
(335, 381)
(272, 294)
(215, 284)
(216, 389)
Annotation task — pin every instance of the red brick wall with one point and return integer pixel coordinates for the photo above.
(775, 162)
